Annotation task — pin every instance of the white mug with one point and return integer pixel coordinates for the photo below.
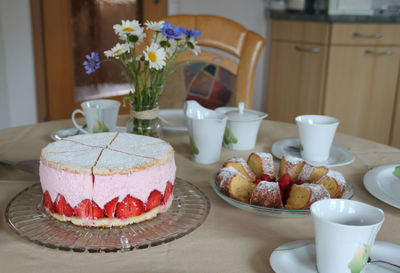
(345, 232)
(100, 115)
(316, 133)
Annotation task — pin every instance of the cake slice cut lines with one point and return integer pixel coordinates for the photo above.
(102, 155)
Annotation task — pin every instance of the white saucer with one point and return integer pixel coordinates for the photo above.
(383, 184)
(299, 256)
(339, 156)
(62, 133)
(175, 118)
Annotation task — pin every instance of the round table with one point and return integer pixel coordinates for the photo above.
(230, 239)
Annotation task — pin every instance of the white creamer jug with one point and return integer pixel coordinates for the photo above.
(206, 131)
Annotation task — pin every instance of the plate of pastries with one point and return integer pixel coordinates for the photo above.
(287, 188)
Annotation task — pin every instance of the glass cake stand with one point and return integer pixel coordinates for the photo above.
(188, 211)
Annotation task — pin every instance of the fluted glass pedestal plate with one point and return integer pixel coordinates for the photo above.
(188, 211)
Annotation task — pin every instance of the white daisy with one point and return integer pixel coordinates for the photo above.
(140, 38)
(172, 48)
(128, 27)
(156, 26)
(155, 55)
(196, 49)
(117, 50)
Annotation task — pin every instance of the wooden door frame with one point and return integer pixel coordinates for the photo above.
(52, 39)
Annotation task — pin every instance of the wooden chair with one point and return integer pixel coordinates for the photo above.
(226, 44)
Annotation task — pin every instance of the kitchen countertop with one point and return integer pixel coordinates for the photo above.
(283, 15)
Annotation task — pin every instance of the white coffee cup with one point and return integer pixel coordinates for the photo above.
(345, 232)
(316, 135)
(100, 115)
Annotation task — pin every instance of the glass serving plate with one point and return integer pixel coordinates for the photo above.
(348, 194)
(188, 211)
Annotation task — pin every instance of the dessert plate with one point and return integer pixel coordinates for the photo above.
(384, 185)
(175, 120)
(188, 211)
(339, 156)
(299, 256)
(348, 194)
(62, 133)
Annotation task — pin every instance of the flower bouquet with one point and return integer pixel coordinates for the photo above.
(146, 71)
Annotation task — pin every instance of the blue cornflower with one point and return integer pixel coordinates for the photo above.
(170, 31)
(92, 63)
(191, 33)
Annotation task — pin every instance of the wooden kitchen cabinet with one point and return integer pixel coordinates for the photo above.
(296, 80)
(297, 69)
(395, 135)
(354, 79)
(361, 88)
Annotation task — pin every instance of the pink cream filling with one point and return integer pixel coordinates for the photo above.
(77, 187)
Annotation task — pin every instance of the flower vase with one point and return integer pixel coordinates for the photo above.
(144, 121)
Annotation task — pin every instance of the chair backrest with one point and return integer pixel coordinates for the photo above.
(225, 44)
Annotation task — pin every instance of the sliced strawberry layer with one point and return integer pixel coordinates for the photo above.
(110, 207)
(88, 210)
(62, 207)
(267, 177)
(47, 203)
(129, 207)
(154, 200)
(285, 184)
(167, 193)
(299, 182)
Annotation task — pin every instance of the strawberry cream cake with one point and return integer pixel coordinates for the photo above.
(107, 179)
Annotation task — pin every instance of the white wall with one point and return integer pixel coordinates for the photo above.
(17, 77)
(4, 109)
(250, 14)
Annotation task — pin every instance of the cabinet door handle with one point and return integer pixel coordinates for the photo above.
(368, 36)
(379, 53)
(308, 49)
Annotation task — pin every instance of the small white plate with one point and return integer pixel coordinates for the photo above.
(299, 256)
(383, 184)
(63, 133)
(175, 118)
(339, 156)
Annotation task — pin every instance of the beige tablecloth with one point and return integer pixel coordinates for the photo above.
(230, 239)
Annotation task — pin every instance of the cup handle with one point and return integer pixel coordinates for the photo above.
(80, 128)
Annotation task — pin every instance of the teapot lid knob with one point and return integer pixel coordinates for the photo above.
(241, 107)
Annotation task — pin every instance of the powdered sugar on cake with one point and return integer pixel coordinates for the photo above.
(94, 140)
(85, 159)
(293, 160)
(115, 161)
(268, 186)
(267, 163)
(246, 167)
(337, 176)
(224, 175)
(123, 140)
(306, 172)
(318, 192)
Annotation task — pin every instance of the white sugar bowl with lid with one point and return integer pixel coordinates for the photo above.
(242, 127)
